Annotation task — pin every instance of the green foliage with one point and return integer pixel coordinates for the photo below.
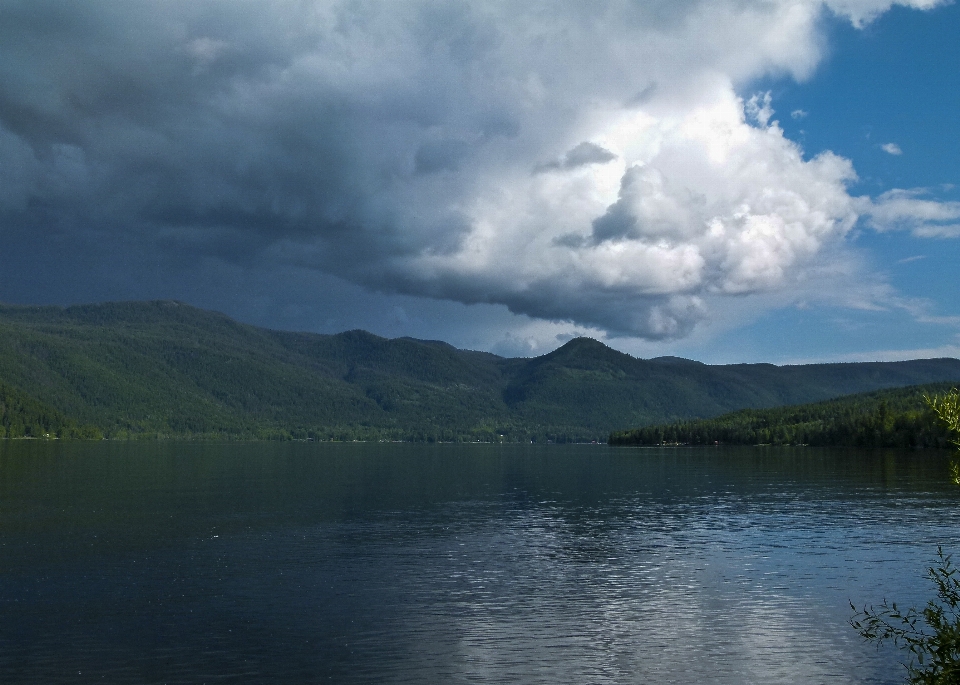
(885, 418)
(163, 369)
(931, 635)
(947, 409)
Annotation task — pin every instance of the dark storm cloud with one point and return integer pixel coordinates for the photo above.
(144, 101)
(225, 130)
(204, 129)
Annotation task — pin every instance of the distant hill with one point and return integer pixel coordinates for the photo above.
(167, 369)
(894, 417)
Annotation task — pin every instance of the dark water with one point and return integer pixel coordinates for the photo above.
(301, 563)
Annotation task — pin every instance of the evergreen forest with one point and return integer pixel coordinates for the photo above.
(898, 417)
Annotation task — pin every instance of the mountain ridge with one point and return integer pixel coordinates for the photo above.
(165, 368)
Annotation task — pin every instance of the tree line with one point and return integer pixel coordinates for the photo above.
(886, 418)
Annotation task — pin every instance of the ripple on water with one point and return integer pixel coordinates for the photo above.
(302, 563)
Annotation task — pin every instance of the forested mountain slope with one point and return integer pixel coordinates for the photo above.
(165, 368)
(22, 416)
(894, 417)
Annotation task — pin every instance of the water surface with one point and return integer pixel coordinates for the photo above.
(300, 563)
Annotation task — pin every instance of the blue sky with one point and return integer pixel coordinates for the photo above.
(725, 180)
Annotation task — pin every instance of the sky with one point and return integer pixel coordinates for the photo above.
(722, 180)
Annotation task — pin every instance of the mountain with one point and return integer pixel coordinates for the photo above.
(894, 417)
(167, 369)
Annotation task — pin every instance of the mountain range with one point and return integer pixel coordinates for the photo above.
(166, 369)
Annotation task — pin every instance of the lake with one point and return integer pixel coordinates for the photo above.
(372, 563)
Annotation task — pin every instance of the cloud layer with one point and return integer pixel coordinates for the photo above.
(584, 163)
